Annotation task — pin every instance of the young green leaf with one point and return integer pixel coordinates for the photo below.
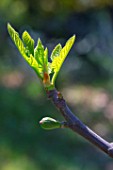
(56, 51)
(49, 68)
(46, 56)
(41, 57)
(39, 53)
(16, 39)
(19, 44)
(45, 65)
(58, 61)
(33, 63)
(28, 41)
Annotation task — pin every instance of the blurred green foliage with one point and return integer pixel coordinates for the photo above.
(86, 82)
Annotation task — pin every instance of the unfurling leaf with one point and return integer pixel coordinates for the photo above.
(28, 41)
(46, 56)
(39, 53)
(16, 39)
(49, 123)
(56, 51)
(58, 60)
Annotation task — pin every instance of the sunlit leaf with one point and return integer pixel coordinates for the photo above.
(36, 67)
(39, 52)
(49, 68)
(41, 57)
(46, 56)
(56, 51)
(58, 61)
(16, 39)
(19, 44)
(28, 41)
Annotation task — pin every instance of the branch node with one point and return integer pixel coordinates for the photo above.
(64, 124)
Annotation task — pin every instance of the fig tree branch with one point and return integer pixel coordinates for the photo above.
(77, 126)
(37, 57)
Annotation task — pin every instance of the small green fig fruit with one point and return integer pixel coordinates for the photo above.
(49, 123)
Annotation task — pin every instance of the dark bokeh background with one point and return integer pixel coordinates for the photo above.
(86, 81)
